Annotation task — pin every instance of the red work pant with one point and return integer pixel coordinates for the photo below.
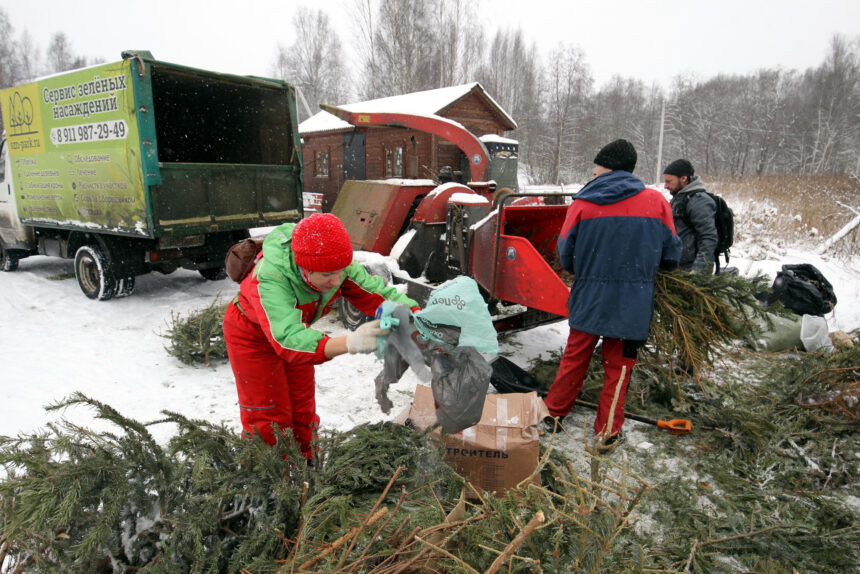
(271, 390)
(571, 374)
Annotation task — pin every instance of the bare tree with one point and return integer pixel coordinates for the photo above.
(511, 73)
(568, 86)
(10, 72)
(405, 44)
(462, 41)
(765, 120)
(836, 86)
(314, 62)
(29, 58)
(60, 57)
(369, 87)
(622, 108)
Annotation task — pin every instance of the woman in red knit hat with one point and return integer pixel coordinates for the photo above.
(300, 273)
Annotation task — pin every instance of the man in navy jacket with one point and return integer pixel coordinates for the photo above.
(616, 235)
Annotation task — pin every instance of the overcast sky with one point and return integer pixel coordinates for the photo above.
(651, 40)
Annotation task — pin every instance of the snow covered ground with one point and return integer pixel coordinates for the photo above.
(55, 341)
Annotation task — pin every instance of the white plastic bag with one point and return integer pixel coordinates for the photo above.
(814, 334)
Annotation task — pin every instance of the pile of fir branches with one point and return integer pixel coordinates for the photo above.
(198, 338)
(765, 481)
(378, 498)
(830, 382)
(767, 475)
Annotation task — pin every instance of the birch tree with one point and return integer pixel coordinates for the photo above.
(462, 42)
(836, 89)
(404, 47)
(314, 62)
(511, 73)
(568, 83)
(60, 57)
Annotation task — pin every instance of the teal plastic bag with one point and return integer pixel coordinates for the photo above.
(457, 316)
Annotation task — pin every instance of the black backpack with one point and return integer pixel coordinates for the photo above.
(803, 289)
(724, 219)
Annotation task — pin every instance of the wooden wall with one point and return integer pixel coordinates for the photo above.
(423, 154)
(329, 185)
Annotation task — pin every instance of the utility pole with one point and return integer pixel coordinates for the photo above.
(660, 143)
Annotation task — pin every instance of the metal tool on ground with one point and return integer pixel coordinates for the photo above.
(508, 377)
(674, 426)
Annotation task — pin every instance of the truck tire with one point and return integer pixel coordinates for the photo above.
(94, 273)
(8, 262)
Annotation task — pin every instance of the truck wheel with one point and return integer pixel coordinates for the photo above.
(94, 274)
(8, 262)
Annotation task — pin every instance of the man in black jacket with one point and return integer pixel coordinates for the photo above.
(694, 216)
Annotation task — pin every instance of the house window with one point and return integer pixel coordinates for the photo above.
(322, 164)
(394, 162)
(398, 162)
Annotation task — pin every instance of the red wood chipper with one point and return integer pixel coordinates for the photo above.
(504, 240)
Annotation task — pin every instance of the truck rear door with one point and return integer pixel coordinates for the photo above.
(228, 151)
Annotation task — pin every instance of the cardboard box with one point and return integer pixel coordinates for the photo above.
(497, 453)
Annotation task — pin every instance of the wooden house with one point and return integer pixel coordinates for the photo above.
(334, 150)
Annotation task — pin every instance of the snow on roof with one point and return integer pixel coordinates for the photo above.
(426, 103)
(323, 121)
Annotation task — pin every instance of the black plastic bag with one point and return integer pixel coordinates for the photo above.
(460, 381)
(803, 289)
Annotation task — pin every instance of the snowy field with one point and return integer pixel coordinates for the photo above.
(55, 342)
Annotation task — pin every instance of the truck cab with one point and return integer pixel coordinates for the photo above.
(16, 239)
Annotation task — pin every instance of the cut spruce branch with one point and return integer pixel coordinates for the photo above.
(76, 500)
(697, 317)
(199, 337)
(698, 321)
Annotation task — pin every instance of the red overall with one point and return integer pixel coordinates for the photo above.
(269, 387)
(571, 374)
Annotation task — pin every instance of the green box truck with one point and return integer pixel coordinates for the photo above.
(142, 165)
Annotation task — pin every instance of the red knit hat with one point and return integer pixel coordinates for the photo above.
(321, 243)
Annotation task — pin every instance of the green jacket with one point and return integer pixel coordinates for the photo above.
(276, 298)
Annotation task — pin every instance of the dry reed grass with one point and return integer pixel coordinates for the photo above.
(793, 210)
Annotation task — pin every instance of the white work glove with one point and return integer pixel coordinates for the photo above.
(363, 339)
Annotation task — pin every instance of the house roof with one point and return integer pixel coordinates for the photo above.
(426, 103)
